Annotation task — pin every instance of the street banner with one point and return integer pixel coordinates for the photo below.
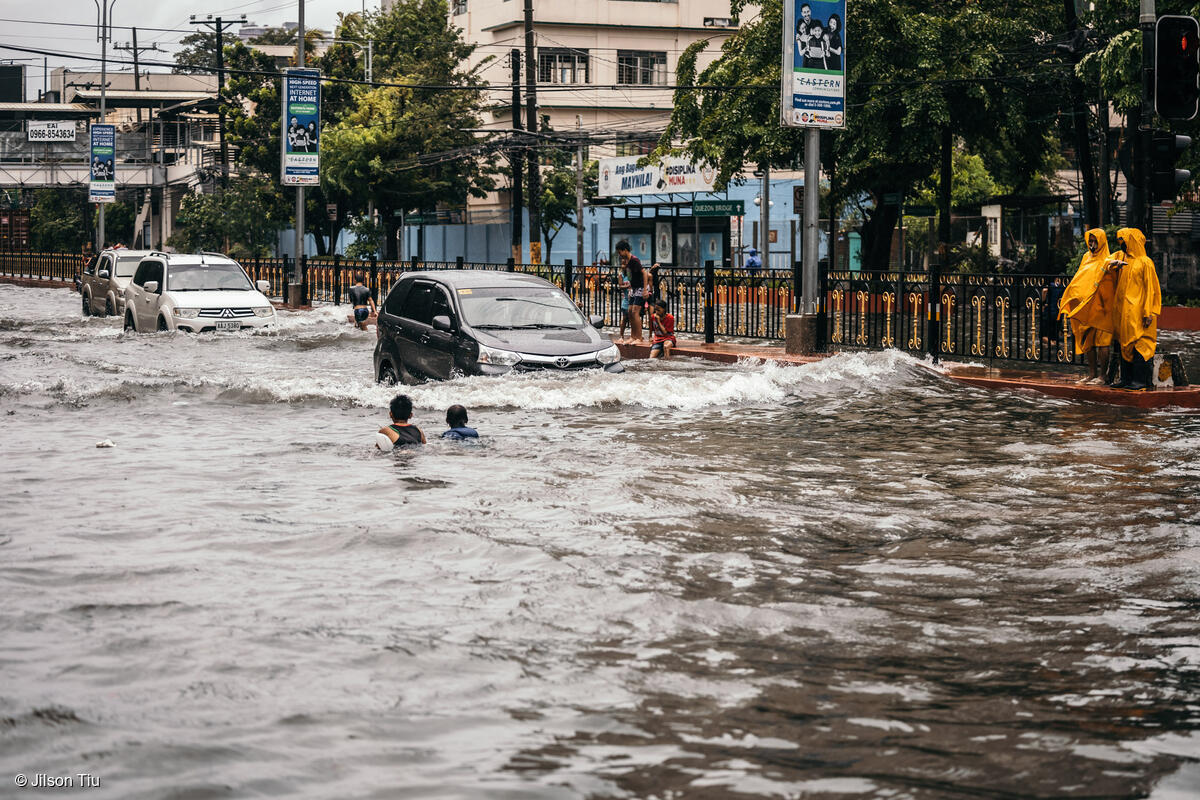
(300, 128)
(50, 131)
(814, 64)
(102, 186)
(622, 177)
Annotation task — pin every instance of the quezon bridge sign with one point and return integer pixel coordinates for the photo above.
(622, 177)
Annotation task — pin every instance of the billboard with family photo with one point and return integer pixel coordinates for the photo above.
(102, 178)
(814, 64)
(301, 128)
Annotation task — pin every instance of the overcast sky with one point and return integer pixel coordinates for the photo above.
(39, 25)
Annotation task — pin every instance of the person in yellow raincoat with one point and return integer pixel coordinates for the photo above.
(1089, 303)
(1139, 303)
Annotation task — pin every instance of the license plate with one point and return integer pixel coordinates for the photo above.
(229, 326)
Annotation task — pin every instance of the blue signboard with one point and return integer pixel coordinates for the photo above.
(814, 64)
(300, 128)
(102, 182)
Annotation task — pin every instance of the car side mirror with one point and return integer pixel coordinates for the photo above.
(103, 273)
(263, 286)
(151, 286)
(442, 323)
(596, 320)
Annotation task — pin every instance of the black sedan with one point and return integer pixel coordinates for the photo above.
(436, 325)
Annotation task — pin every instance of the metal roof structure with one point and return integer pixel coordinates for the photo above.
(10, 111)
(120, 98)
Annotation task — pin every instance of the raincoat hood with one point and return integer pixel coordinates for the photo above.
(1135, 242)
(1088, 299)
(1139, 299)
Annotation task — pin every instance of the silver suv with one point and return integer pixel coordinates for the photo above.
(200, 293)
(104, 279)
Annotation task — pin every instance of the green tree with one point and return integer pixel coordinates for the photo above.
(58, 220)
(909, 78)
(410, 147)
(196, 53)
(242, 220)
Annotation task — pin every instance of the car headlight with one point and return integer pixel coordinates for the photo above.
(187, 313)
(264, 311)
(499, 358)
(609, 355)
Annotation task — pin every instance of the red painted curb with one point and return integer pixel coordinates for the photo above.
(1179, 318)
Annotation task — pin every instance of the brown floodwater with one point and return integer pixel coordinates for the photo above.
(846, 580)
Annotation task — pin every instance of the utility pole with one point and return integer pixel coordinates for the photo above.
(514, 158)
(1079, 115)
(765, 194)
(137, 51)
(297, 273)
(579, 178)
(812, 225)
(535, 175)
(218, 26)
(1146, 19)
(104, 17)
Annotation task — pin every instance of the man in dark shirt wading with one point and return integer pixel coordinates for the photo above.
(360, 298)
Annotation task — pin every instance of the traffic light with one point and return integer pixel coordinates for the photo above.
(1176, 68)
(1165, 180)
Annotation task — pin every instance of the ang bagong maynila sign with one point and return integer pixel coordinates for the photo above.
(814, 64)
(622, 177)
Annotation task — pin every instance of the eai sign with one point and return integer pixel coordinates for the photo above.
(102, 182)
(622, 177)
(814, 64)
(301, 128)
(50, 131)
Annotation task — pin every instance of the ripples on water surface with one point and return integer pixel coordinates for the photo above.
(851, 579)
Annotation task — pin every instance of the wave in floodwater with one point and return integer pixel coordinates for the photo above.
(681, 384)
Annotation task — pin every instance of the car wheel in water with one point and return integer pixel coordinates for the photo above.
(162, 324)
(387, 375)
(87, 305)
(129, 325)
(108, 308)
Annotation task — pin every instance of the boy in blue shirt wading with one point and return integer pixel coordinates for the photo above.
(456, 418)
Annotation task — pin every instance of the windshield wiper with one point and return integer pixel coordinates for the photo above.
(492, 327)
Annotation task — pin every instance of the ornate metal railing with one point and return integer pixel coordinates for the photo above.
(989, 317)
(984, 317)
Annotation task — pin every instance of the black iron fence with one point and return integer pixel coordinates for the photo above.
(979, 317)
(975, 317)
(41, 266)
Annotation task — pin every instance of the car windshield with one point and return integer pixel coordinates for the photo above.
(127, 265)
(207, 277)
(519, 307)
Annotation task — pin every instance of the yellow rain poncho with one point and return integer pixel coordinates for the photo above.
(1089, 298)
(1139, 300)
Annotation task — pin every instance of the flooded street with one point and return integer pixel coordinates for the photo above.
(855, 578)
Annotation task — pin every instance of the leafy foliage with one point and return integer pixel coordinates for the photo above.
(242, 220)
(384, 146)
(910, 76)
(58, 220)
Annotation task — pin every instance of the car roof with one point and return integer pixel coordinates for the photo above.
(198, 258)
(479, 278)
(125, 251)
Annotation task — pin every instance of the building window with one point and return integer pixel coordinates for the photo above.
(460, 7)
(562, 65)
(641, 68)
(635, 148)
